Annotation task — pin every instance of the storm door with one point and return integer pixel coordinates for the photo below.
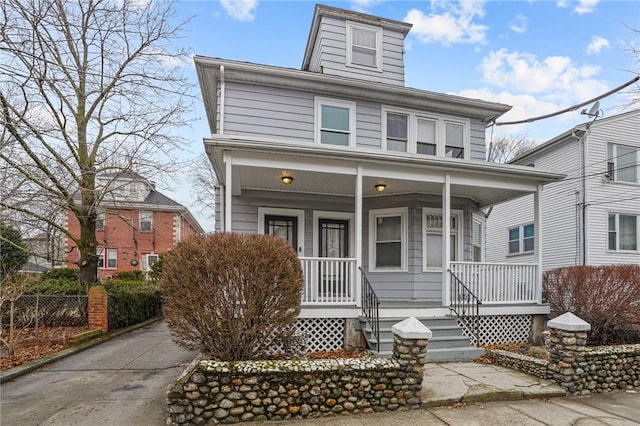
(334, 273)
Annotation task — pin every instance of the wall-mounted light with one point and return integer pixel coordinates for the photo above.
(286, 180)
(380, 187)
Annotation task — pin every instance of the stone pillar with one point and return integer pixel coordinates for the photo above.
(98, 310)
(566, 345)
(410, 339)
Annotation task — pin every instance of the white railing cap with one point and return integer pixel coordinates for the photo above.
(569, 322)
(411, 328)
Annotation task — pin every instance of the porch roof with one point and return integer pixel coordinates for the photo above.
(259, 164)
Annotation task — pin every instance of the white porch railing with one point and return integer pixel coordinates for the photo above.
(499, 282)
(329, 281)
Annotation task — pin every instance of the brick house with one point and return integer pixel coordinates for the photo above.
(135, 224)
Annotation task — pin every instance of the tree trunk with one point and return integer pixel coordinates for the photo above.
(87, 247)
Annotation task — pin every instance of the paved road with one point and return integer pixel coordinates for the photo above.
(123, 382)
(119, 382)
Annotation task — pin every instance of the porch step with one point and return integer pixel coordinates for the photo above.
(447, 344)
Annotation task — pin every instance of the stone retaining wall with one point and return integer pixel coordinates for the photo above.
(231, 392)
(611, 367)
(527, 364)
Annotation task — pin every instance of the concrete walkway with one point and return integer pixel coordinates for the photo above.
(123, 380)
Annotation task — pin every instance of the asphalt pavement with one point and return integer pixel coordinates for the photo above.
(123, 380)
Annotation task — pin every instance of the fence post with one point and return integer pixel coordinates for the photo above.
(410, 340)
(98, 309)
(566, 345)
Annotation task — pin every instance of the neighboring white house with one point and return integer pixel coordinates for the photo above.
(357, 171)
(593, 216)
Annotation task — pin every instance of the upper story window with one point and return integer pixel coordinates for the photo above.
(623, 231)
(146, 221)
(335, 122)
(364, 46)
(622, 163)
(100, 221)
(388, 239)
(413, 132)
(521, 239)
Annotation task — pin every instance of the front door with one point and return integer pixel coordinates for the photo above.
(285, 227)
(334, 275)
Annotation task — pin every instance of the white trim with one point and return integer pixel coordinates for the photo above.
(481, 219)
(222, 97)
(446, 231)
(412, 130)
(299, 214)
(379, 46)
(149, 215)
(617, 215)
(459, 215)
(321, 214)
(319, 102)
(521, 250)
(403, 212)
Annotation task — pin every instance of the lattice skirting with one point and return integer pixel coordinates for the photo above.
(323, 334)
(501, 329)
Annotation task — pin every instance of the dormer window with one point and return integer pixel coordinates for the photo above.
(364, 46)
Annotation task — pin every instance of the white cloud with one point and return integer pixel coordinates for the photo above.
(518, 24)
(242, 10)
(582, 6)
(364, 5)
(449, 23)
(597, 44)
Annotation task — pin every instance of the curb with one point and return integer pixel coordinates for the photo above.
(38, 363)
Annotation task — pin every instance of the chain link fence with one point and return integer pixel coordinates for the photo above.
(46, 310)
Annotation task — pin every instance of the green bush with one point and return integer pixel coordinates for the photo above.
(56, 286)
(62, 274)
(607, 297)
(132, 302)
(231, 296)
(131, 275)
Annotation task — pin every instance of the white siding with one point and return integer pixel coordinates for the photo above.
(609, 197)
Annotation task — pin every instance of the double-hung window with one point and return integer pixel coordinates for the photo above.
(477, 238)
(432, 223)
(623, 231)
(335, 122)
(623, 163)
(146, 221)
(100, 221)
(521, 239)
(364, 46)
(388, 239)
(417, 133)
(107, 258)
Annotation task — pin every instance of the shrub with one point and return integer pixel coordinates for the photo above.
(62, 274)
(131, 275)
(132, 302)
(607, 297)
(13, 251)
(56, 286)
(231, 296)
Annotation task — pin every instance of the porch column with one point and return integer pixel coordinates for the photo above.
(446, 242)
(537, 241)
(227, 191)
(358, 235)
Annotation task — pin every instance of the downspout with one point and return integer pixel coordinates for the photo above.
(583, 178)
(222, 96)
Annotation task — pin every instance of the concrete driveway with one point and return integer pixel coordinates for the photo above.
(119, 382)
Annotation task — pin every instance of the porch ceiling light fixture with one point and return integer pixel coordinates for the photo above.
(380, 187)
(286, 180)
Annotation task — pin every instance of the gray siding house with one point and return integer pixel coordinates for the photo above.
(593, 216)
(357, 172)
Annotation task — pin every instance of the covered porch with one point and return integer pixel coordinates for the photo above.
(296, 189)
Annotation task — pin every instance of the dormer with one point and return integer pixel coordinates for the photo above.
(356, 45)
(125, 187)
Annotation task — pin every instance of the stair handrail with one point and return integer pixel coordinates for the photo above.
(371, 307)
(465, 305)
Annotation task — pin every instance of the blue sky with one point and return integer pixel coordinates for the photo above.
(538, 56)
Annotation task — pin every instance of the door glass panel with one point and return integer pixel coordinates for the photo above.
(334, 238)
(285, 227)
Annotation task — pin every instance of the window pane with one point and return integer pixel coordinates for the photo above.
(426, 131)
(628, 229)
(514, 234)
(111, 258)
(514, 246)
(395, 145)
(389, 255)
(612, 222)
(100, 258)
(397, 126)
(426, 148)
(334, 138)
(528, 244)
(434, 250)
(528, 231)
(335, 118)
(453, 152)
(454, 134)
(363, 56)
(626, 164)
(388, 228)
(364, 38)
(612, 240)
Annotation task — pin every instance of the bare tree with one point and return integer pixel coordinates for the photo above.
(88, 88)
(507, 147)
(204, 183)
